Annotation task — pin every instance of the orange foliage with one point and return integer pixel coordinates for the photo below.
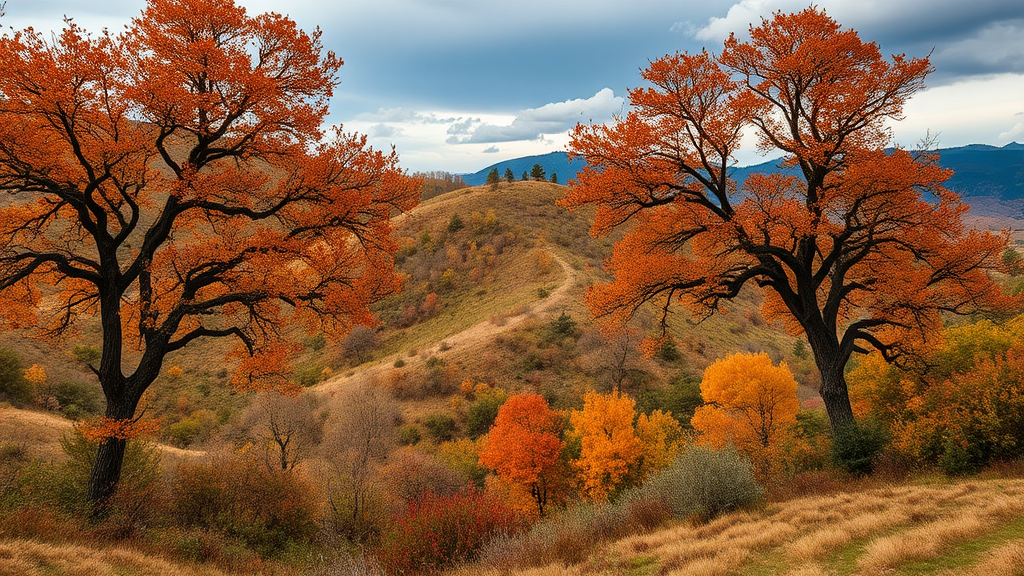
(175, 181)
(102, 428)
(849, 252)
(523, 445)
(966, 410)
(749, 403)
(660, 440)
(609, 445)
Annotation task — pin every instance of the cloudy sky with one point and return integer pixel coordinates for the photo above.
(457, 85)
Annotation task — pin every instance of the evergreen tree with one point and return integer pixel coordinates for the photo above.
(537, 172)
(525, 175)
(509, 176)
(493, 178)
(554, 177)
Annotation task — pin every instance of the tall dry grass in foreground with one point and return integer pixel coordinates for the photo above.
(29, 558)
(885, 527)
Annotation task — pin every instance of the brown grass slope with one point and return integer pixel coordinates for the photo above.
(965, 527)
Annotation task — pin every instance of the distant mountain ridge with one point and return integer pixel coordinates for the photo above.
(980, 170)
(552, 163)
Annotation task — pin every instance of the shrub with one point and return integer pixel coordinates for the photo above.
(438, 531)
(482, 412)
(14, 387)
(855, 445)
(440, 426)
(411, 474)
(63, 484)
(569, 536)
(78, 400)
(308, 374)
(703, 483)
(408, 435)
(267, 509)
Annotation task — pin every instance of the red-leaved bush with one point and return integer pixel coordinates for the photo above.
(438, 531)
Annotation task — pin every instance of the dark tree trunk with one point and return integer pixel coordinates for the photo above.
(831, 366)
(836, 397)
(106, 473)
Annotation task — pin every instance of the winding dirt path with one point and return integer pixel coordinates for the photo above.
(465, 341)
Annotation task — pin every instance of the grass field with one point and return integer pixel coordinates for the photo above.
(972, 527)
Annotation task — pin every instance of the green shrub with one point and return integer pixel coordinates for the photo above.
(86, 355)
(482, 412)
(441, 427)
(681, 397)
(308, 374)
(79, 400)
(63, 484)
(438, 531)
(197, 427)
(703, 483)
(855, 445)
(14, 388)
(408, 435)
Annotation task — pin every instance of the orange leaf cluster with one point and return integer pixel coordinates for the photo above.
(103, 428)
(523, 445)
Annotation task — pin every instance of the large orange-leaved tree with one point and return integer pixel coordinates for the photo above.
(863, 249)
(174, 182)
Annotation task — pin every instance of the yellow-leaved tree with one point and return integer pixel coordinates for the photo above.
(748, 402)
(618, 449)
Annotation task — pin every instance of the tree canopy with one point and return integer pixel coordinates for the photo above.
(174, 181)
(864, 249)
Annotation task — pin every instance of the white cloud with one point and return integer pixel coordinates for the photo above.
(384, 131)
(401, 115)
(534, 123)
(491, 150)
(1015, 134)
(981, 110)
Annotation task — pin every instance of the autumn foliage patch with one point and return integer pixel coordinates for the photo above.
(437, 531)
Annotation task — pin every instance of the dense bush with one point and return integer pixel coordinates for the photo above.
(410, 475)
(482, 412)
(681, 397)
(569, 536)
(63, 484)
(437, 531)
(441, 427)
(269, 509)
(703, 483)
(855, 445)
(79, 400)
(14, 387)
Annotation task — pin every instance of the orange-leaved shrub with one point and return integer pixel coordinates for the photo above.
(437, 531)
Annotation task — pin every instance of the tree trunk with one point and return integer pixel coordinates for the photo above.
(106, 472)
(835, 395)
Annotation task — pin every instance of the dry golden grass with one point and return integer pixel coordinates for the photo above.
(1005, 560)
(39, 433)
(930, 540)
(804, 537)
(28, 558)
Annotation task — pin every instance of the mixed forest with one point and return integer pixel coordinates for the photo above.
(235, 342)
